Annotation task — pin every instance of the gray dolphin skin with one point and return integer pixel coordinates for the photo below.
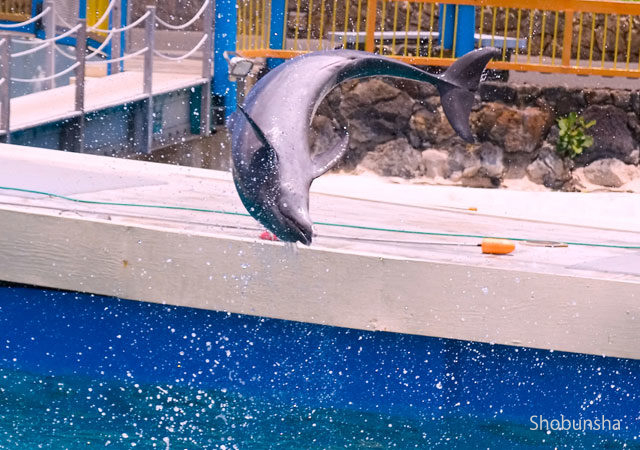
(272, 163)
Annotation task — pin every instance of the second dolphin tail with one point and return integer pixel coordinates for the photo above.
(461, 79)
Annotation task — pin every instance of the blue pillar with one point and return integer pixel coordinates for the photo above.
(278, 15)
(225, 21)
(465, 30)
(82, 9)
(124, 15)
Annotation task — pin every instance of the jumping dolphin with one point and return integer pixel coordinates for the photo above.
(272, 163)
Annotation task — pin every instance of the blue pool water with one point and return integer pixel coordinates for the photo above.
(78, 370)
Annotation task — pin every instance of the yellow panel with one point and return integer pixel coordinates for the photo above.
(95, 10)
(239, 25)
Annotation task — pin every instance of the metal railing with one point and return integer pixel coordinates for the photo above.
(81, 59)
(554, 36)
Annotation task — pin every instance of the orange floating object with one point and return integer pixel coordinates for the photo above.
(497, 246)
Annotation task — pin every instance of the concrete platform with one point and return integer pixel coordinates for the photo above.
(579, 298)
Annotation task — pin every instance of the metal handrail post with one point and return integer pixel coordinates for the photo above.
(5, 91)
(50, 33)
(150, 26)
(207, 67)
(369, 43)
(116, 41)
(81, 50)
(567, 38)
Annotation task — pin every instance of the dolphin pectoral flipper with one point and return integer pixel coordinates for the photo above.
(457, 85)
(329, 158)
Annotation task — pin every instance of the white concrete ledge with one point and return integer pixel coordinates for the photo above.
(560, 299)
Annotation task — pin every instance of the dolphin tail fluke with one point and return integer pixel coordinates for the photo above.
(457, 86)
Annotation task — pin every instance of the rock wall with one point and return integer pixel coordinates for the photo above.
(397, 128)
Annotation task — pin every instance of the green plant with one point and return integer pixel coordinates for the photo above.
(572, 139)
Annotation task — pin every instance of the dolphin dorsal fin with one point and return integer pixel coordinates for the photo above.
(329, 158)
(256, 129)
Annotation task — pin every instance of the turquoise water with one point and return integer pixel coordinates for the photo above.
(78, 412)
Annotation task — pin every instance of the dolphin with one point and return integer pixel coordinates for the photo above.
(272, 163)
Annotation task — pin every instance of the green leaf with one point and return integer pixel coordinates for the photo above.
(572, 139)
(588, 141)
(563, 125)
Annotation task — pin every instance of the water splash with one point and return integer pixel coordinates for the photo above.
(291, 248)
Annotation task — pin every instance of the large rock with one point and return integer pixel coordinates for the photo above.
(497, 92)
(553, 135)
(549, 169)
(394, 159)
(610, 172)
(417, 90)
(635, 102)
(482, 167)
(612, 137)
(330, 106)
(527, 95)
(376, 111)
(512, 129)
(621, 99)
(491, 162)
(563, 100)
(516, 164)
(598, 96)
(429, 126)
(324, 134)
(463, 164)
(435, 163)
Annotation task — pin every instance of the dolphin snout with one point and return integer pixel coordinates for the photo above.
(299, 224)
(305, 235)
(306, 232)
